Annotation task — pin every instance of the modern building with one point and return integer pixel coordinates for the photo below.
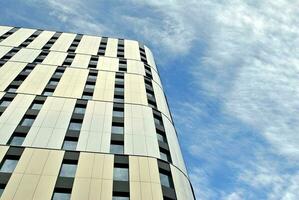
(84, 118)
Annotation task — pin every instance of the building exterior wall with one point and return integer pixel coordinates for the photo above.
(84, 117)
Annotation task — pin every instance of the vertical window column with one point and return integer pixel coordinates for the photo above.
(72, 135)
(53, 82)
(53, 39)
(166, 181)
(40, 58)
(150, 93)
(121, 48)
(119, 86)
(142, 53)
(15, 84)
(117, 130)
(121, 184)
(5, 101)
(148, 71)
(8, 165)
(19, 134)
(75, 43)
(65, 180)
(30, 39)
(102, 47)
(90, 85)
(93, 62)
(122, 65)
(69, 59)
(8, 33)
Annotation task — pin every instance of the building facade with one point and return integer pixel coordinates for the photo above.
(84, 118)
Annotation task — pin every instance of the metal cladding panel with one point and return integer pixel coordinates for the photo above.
(89, 45)
(12, 116)
(111, 48)
(26, 55)
(37, 79)
(41, 40)
(81, 61)
(72, 83)
(17, 37)
(132, 50)
(8, 72)
(63, 42)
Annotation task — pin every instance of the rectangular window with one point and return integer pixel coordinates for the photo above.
(8, 165)
(5, 103)
(165, 156)
(68, 170)
(79, 110)
(27, 121)
(120, 174)
(120, 198)
(48, 93)
(61, 196)
(36, 106)
(166, 180)
(117, 148)
(53, 82)
(117, 129)
(89, 86)
(117, 113)
(69, 145)
(17, 140)
(161, 137)
(75, 126)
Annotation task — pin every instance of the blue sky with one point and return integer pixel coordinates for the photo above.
(230, 70)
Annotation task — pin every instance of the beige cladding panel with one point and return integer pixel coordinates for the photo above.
(4, 29)
(41, 40)
(17, 37)
(132, 50)
(150, 57)
(104, 88)
(32, 178)
(3, 150)
(135, 67)
(144, 178)
(174, 147)
(72, 83)
(109, 64)
(4, 50)
(111, 48)
(12, 116)
(54, 58)
(2, 94)
(37, 79)
(50, 126)
(89, 45)
(161, 100)
(81, 61)
(135, 89)
(8, 72)
(181, 184)
(140, 132)
(96, 127)
(63, 42)
(26, 55)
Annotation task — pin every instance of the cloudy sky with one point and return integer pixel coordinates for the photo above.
(231, 73)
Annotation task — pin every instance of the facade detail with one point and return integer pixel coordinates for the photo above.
(84, 118)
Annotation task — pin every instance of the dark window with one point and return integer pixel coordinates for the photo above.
(61, 196)
(53, 82)
(120, 198)
(120, 174)
(68, 170)
(92, 77)
(5, 103)
(117, 148)
(27, 122)
(69, 145)
(17, 140)
(166, 180)
(36, 106)
(158, 121)
(8, 165)
(117, 113)
(117, 129)
(161, 137)
(165, 156)
(89, 86)
(75, 126)
(48, 93)
(79, 110)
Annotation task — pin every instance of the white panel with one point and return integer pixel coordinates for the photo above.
(72, 83)
(140, 131)
(54, 58)
(41, 40)
(8, 72)
(89, 45)
(156, 78)
(17, 37)
(81, 61)
(104, 88)
(161, 100)
(2, 94)
(63, 42)
(173, 143)
(135, 67)
(13, 114)
(111, 48)
(37, 79)
(96, 128)
(181, 184)
(132, 50)
(26, 55)
(4, 50)
(150, 57)
(50, 126)
(4, 29)
(135, 89)
(109, 64)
